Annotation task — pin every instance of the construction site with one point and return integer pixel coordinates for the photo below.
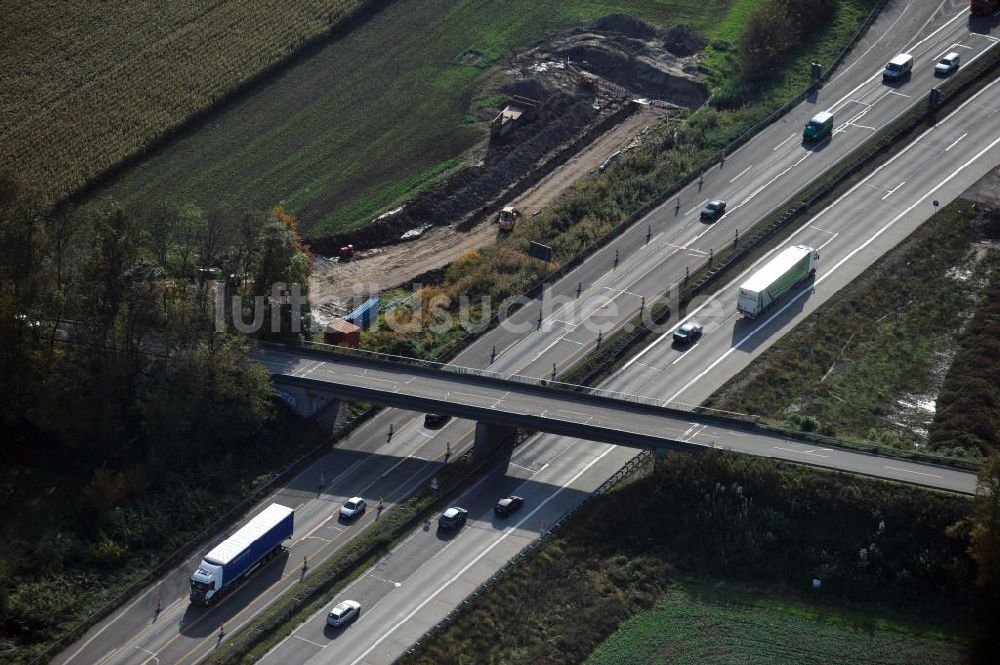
(572, 105)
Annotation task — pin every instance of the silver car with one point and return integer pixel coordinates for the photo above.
(344, 613)
(354, 507)
(947, 64)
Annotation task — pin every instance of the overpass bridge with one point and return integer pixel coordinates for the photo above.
(500, 405)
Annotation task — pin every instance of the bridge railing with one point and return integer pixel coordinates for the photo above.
(533, 381)
(926, 457)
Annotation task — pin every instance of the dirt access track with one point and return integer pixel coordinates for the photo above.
(334, 285)
(575, 130)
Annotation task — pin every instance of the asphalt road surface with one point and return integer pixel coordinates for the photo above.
(763, 173)
(574, 411)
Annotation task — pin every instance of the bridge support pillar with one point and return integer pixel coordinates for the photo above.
(307, 403)
(489, 437)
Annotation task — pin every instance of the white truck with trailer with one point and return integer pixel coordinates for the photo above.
(241, 554)
(788, 269)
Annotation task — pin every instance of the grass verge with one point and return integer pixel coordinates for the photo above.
(697, 628)
(861, 365)
(724, 521)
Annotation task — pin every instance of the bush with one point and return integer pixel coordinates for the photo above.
(968, 406)
(769, 34)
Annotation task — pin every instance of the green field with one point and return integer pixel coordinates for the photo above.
(685, 629)
(88, 85)
(356, 127)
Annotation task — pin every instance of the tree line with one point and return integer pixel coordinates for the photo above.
(122, 390)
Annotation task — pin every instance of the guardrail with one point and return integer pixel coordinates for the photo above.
(840, 174)
(641, 462)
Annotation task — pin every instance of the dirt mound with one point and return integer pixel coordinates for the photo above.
(640, 66)
(630, 58)
(625, 24)
(531, 88)
(559, 120)
(683, 41)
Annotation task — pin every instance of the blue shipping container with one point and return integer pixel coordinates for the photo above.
(363, 316)
(247, 546)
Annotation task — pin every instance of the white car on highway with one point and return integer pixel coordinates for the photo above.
(354, 507)
(344, 613)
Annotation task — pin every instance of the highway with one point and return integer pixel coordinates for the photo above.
(763, 173)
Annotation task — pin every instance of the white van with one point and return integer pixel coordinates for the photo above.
(898, 67)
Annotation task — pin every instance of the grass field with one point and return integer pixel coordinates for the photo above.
(688, 628)
(87, 84)
(885, 341)
(369, 118)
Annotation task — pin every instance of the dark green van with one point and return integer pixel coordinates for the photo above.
(819, 127)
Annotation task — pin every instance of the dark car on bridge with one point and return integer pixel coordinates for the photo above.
(453, 518)
(435, 420)
(508, 505)
(713, 210)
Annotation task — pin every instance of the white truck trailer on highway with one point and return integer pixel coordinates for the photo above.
(242, 553)
(779, 275)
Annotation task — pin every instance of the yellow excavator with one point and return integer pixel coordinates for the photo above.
(507, 218)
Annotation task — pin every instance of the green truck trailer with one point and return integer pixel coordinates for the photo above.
(779, 275)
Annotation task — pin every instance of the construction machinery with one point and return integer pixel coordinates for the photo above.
(507, 218)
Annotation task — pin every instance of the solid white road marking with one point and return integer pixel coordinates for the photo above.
(784, 142)
(955, 142)
(801, 452)
(840, 263)
(741, 174)
(875, 43)
(919, 473)
(964, 13)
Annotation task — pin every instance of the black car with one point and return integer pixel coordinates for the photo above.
(713, 209)
(688, 332)
(508, 505)
(435, 420)
(453, 518)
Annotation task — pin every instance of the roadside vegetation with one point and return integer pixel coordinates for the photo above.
(595, 205)
(967, 416)
(721, 545)
(369, 121)
(869, 363)
(93, 84)
(700, 623)
(129, 422)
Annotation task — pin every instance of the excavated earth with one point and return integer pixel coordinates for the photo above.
(640, 61)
